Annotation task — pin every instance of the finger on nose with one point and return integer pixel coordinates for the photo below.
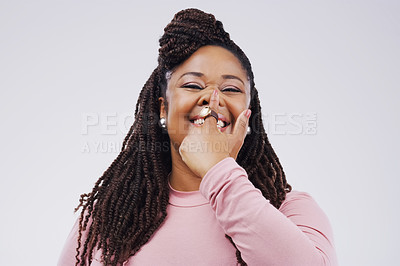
(214, 101)
(214, 104)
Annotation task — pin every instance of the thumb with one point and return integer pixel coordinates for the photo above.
(240, 129)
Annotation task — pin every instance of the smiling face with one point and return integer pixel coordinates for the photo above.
(190, 87)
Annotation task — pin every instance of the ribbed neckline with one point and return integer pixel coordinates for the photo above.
(186, 198)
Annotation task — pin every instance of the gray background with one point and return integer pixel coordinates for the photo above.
(67, 64)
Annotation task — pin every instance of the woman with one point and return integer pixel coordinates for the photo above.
(197, 181)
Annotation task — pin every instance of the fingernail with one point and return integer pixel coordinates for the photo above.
(248, 113)
(215, 93)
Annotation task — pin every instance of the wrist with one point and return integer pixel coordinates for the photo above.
(212, 164)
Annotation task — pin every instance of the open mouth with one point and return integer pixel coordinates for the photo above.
(200, 121)
(222, 123)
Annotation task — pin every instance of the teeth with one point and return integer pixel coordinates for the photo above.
(199, 121)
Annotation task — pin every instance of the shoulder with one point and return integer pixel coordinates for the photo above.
(301, 204)
(298, 198)
(303, 210)
(295, 195)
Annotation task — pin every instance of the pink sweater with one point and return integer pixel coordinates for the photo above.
(194, 231)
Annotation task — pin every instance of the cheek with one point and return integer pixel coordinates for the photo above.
(238, 110)
(237, 107)
(179, 107)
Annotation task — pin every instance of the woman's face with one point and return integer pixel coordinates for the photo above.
(190, 87)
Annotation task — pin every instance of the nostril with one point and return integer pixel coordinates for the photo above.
(205, 102)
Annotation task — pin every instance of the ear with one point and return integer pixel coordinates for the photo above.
(163, 111)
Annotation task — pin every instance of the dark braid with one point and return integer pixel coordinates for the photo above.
(129, 201)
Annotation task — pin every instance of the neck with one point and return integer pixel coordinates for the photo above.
(182, 178)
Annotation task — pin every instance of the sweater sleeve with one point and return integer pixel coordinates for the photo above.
(298, 233)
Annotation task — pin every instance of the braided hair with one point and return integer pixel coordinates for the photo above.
(129, 201)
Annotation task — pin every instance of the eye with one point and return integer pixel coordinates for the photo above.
(192, 86)
(231, 89)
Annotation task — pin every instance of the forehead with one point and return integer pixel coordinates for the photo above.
(212, 61)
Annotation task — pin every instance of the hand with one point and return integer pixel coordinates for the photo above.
(205, 146)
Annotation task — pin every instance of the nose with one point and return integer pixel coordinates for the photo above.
(206, 96)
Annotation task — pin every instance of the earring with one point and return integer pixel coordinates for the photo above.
(248, 131)
(163, 123)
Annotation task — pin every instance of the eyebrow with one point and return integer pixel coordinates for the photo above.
(199, 74)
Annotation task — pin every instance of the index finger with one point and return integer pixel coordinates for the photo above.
(214, 105)
(214, 101)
